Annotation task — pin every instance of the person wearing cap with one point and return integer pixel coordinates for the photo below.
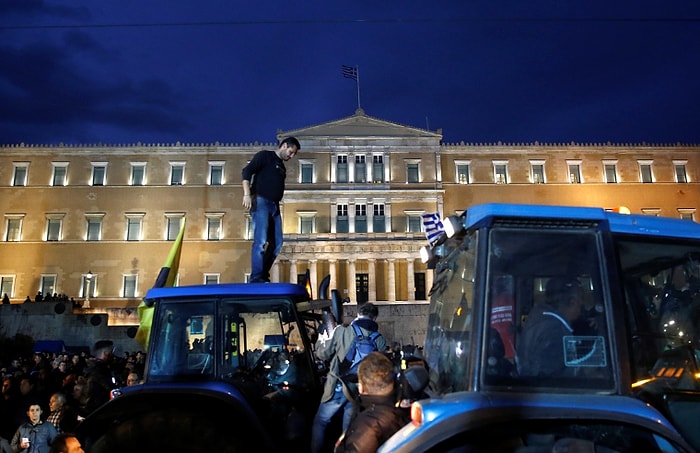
(540, 351)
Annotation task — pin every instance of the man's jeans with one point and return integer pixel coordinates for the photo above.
(267, 238)
(325, 413)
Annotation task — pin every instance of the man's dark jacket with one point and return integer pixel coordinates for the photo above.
(378, 419)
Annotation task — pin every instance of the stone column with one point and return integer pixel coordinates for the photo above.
(411, 278)
(334, 217)
(351, 217)
(275, 272)
(333, 271)
(372, 265)
(312, 273)
(428, 282)
(387, 216)
(352, 289)
(370, 216)
(292, 271)
(391, 284)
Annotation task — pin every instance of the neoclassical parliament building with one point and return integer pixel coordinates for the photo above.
(98, 221)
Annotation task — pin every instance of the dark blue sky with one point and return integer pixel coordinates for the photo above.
(162, 71)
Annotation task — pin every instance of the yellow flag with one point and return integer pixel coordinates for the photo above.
(166, 277)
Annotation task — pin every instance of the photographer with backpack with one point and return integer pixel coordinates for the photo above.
(344, 347)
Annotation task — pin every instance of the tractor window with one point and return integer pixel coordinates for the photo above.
(447, 343)
(662, 289)
(185, 342)
(545, 323)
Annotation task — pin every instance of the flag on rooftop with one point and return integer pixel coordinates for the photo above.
(350, 72)
(432, 224)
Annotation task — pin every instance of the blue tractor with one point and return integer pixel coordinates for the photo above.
(230, 368)
(555, 328)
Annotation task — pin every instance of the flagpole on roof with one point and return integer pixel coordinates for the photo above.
(353, 72)
(357, 71)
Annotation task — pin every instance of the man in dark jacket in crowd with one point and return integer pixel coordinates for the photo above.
(100, 380)
(378, 416)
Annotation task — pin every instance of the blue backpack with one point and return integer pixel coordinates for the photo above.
(361, 346)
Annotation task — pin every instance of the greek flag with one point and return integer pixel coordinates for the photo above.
(432, 224)
(349, 72)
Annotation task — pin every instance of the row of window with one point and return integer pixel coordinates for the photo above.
(129, 287)
(360, 172)
(343, 221)
(538, 174)
(89, 285)
(360, 222)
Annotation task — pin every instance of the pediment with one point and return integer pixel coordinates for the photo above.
(360, 125)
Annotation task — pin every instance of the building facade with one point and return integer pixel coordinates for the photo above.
(98, 221)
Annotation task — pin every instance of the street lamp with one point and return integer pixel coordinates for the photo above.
(88, 280)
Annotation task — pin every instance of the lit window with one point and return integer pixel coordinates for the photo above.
(99, 173)
(360, 218)
(414, 223)
(686, 213)
(500, 172)
(654, 212)
(54, 223)
(216, 173)
(378, 168)
(177, 173)
(129, 286)
(610, 168)
(306, 172)
(342, 223)
(537, 172)
(680, 170)
(13, 228)
(19, 177)
(214, 222)
(138, 174)
(306, 221)
(462, 172)
(211, 279)
(341, 169)
(94, 227)
(88, 285)
(134, 223)
(173, 223)
(645, 173)
(7, 285)
(413, 171)
(360, 169)
(574, 168)
(378, 220)
(60, 172)
(47, 284)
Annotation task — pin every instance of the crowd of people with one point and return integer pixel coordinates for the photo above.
(47, 394)
(55, 297)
